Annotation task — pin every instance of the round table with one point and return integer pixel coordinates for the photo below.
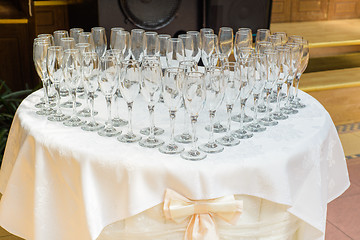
(60, 182)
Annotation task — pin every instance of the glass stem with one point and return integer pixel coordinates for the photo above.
(117, 103)
(268, 91)
(297, 81)
(57, 88)
(73, 96)
(91, 96)
(278, 89)
(229, 108)
(288, 85)
(108, 107)
(242, 113)
(152, 121)
(211, 137)
(186, 125)
(172, 126)
(130, 105)
(46, 90)
(193, 120)
(256, 101)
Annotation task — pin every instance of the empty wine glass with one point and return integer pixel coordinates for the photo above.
(232, 90)
(262, 35)
(113, 35)
(303, 64)
(122, 43)
(283, 37)
(226, 36)
(67, 43)
(72, 75)
(295, 57)
(204, 31)
(130, 78)
(163, 38)
(58, 35)
(108, 82)
(215, 87)
(258, 87)
(151, 75)
(87, 37)
(247, 73)
(100, 41)
(188, 46)
(195, 36)
(185, 136)
(209, 47)
(174, 52)
(151, 44)
(39, 56)
(243, 38)
(49, 37)
(284, 66)
(195, 95)
(275, 40)
(54, 68)
(171, 91)
(91, 72)
(273, 71)
(75, 33)
(137, 44)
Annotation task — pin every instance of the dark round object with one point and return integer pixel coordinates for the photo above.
(150, 14)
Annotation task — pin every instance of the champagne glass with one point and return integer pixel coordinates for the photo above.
(188, 46)
(258, 87)
(283, 37)
(49, 37)
(215, 87)
(151, 75)
(75, 33)
(54, 68)
(185, 137)
(91, 72)
(171, 91)
(273, 71)
(122, 43)
(137, 44)
(262, 35)
(147, 61)
(100, 41)
(232, 91)
(113, 35)
(129, 85)
(72, 75)
(275, 40)
(67, 43)
(108, 82)
(303, 64)
(163, 38)
(203, 32)
(151, 44)
(247, 73)
(243, 38)
(174, 52)
(195, 95)
(87, 37)
(295, 57)
(284, 67)
(196, 54)
(40, 47)
(58, 35)
(209, 47)
(226, 36)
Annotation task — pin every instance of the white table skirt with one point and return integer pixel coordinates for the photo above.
(65, 183)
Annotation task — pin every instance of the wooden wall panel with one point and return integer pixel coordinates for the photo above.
(51, 18)
(309, 10)
(344, 9)
(281, 11)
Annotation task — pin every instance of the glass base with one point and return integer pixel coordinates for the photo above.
(73, 122)
(42, 105)
(255, 127)
(69, 104)
(86, 112)
(118, 122)
(171, 148)
(58, 117)
(129, 138)
(211, 148)
(64, 93)
(109, 132)
(237, 118)
(80, 90)
(193, 155)
(184, 138)
(45, 112)
(297, 104)
(267, 121)
(151, 142)
(289, 110)
(242, 134)
(279, 116)
(217, 128)
(92, 126)
(157, 131)
(228, 141)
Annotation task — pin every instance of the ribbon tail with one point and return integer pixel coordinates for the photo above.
(201, 227)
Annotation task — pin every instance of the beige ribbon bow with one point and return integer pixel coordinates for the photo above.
(201, 225)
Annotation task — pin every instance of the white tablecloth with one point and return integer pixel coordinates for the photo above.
(64, 183)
